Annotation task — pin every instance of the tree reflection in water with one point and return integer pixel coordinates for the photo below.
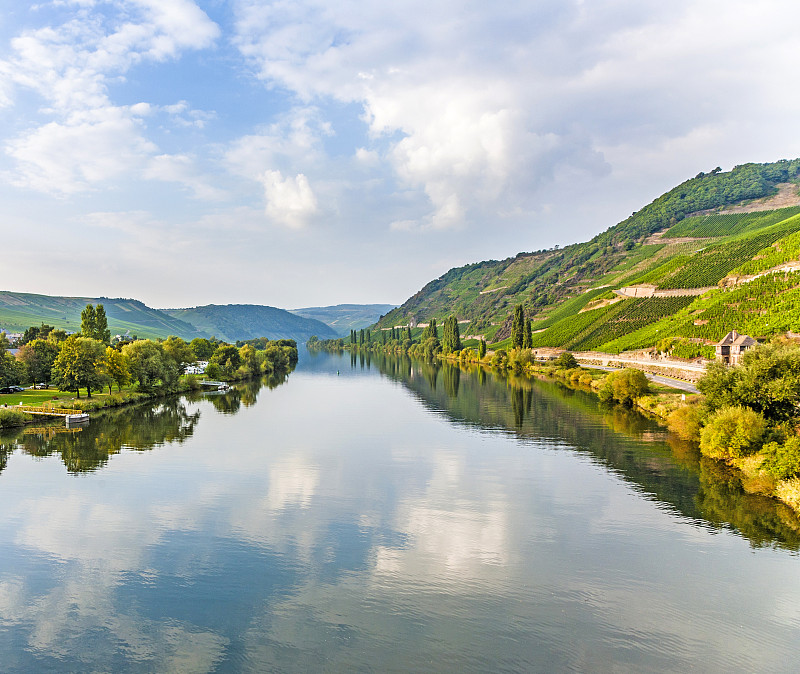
(636, 448)
(138, 427)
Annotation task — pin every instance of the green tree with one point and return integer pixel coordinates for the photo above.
(94, 323)
(227, 358)
(202, 348)
(11, 370)
(518, 327)
(451, 339)
(767, 381)
(482, 349)
(431, 331)
(80, 364)
(250, 360)
(149, 365)
(732, 432)
(117, 368)
(181, 352)
(625, 386)
(38, 357)
(566, 361)
(527, 335)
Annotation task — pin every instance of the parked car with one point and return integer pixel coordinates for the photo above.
(40, 386)
(11, 389)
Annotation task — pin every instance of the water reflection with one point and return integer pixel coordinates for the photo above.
(344, 523)
(138, 427)
(660, 464)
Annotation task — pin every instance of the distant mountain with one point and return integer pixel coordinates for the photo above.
(228, 322)
(346, 317)
(21, 310)
(232, 322)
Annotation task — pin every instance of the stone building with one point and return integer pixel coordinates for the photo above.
(732, 346)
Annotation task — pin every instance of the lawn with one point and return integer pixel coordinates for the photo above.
(36, 398)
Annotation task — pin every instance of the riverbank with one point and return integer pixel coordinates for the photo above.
(13, 418)
(683, 414)
(767, 460)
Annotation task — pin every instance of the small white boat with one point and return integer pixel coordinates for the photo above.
(76, 418)
(224, 387)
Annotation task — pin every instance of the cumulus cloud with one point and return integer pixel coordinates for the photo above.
(87, 138)
(483, 106)
(65, 157)
(290, 201)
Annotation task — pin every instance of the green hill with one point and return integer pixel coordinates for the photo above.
(21, 310)
(232, 322)
(680, 267)
(343, 318)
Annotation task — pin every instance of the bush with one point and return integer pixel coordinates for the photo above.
(732, 432)
(566, 360)
(10, 418)
(625, 386)
(500, 358)
(782, 461)
(686, 422)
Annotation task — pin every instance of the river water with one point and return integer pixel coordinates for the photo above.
(383, 515)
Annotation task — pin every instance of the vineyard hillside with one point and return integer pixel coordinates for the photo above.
(696, 262)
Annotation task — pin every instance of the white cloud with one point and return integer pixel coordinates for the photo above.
(290, 201)
(181, 169)
(88, 139)
(482, 107)
(85, 150)
(293, 142)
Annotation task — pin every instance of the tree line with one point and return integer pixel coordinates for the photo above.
(88, 360)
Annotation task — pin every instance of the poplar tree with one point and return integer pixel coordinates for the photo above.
(451, 340)
(518, 327)
(527, 336)
(482, 349)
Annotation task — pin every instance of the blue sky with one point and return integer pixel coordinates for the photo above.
(306, 152)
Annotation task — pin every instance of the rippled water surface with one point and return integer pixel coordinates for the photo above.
(387, 516)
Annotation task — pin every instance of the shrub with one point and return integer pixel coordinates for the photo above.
(500, 358)
(566, 361)
(625, 386)
(686, 422)
(10, 418)
(732, 432)
(782, 461)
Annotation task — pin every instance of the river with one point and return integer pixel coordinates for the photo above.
(379, 514)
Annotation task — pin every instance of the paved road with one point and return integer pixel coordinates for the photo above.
(659, 379)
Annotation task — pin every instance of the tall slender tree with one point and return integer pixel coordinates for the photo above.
(527, 335)
(518, 327)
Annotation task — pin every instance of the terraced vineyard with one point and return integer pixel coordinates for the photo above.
(767, 305)
(592, 329)
(728, 224)
(710, 264)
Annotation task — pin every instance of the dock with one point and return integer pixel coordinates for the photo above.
(70, 416)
